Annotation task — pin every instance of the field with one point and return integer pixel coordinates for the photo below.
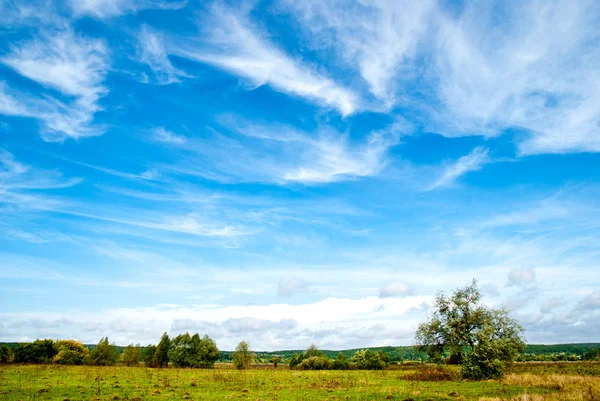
(534, 382)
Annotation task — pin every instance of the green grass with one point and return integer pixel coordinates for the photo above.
(58, 383)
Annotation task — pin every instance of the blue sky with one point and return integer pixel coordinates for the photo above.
(296, 172)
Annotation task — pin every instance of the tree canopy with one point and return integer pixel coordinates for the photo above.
(483, 339)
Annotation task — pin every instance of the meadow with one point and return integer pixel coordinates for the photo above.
(527, 381)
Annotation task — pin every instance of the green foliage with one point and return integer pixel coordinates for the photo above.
(315, 363)
(275, 361)
(39, 351)
(6, 355)
(484, 339)
(312, 351)
(295, 361)
(161, 355)
(193, 351)
(104, 354)
(242, 357)
(70, 352)
(367, 359)
(131, 355)
(341, 362)
(148, 356)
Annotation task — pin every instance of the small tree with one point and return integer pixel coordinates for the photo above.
(275, 361)
(242, 356)
(39, 351)
(295, 360)
(367, 359)
(6, 355)
(311, 351)
(70, 352)
(104, 354)
(148, 356)
(341, 362)
(161, 355)
(131, 355)
(485, 340)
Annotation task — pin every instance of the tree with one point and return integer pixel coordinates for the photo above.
(6, 355)
(131, 355)
(39, 351)
(70, 352)
(242, 357)
(193, 351)
(311, 351)
(485, 340)
(103, 354)
(341, 362)
(161, 355)
(148, 356)
(275, 361)
(295, 360)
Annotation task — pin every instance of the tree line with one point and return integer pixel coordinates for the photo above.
(460, 330)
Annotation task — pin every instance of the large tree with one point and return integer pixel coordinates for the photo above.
(483, 339)
(103, 354)
(161, 355)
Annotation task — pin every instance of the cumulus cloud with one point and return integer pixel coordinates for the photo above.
(395, 289)
(474, 161)
(590, 302)
(231, 43)
(551, 304)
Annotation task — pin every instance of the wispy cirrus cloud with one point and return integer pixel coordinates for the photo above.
(62, 61)
(280, 154)
(474, 161)
(151, 51)
(390, 34)
(113, 8)
(229, 41)
(160, 134)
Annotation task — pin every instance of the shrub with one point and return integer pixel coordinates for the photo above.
(39, 351)
(6, 355)
(295, 361)
(131, 355)
(367, 359)
(341, 362)
(70, 352)
(104, 354)
(315, 363)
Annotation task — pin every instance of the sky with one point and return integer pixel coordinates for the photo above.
(291, 172)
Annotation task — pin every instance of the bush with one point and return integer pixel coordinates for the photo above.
(6, 355)
(39, 351)
(104, 354)
(295, 361)
(315, 363)
(369, 360)
(341, 362)
(70, 352)
(131, 355)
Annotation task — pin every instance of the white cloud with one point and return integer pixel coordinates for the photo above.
(538, 70)
(291, 286)
(230, 42)
(378, 38)
(535, 68)
(521, 276)
(114, 8)
(474, 161)
(281, 154)
(73, 65)
(151, 50)
(395, 289)
(160, 134)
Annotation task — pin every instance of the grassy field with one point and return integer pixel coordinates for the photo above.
(534, 382)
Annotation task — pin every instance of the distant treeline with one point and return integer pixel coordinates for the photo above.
(188, 350)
